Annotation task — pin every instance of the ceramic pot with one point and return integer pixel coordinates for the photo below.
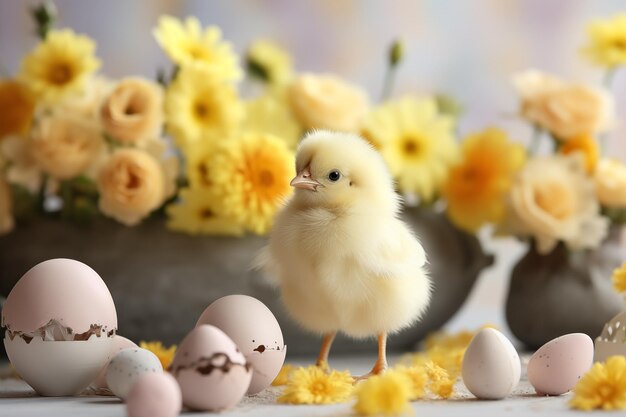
(564, 291)
(161, 281)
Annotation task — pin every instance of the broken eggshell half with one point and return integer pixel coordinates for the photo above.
(255, 330)
(212, 373)
(60, 321)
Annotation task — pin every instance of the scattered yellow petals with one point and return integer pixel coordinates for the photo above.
(619, 279)
(418, 377)
(313, 385)
(387, 394)
(603, 387)
(164, 354)
(441, 383)
(283, 376)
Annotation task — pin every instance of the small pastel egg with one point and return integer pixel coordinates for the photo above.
(260, 339)
(212, 373)
(127, 366)
(491, 366)
(154, 395)
(119, 343)
(557, 366)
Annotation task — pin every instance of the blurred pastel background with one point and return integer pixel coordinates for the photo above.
(465, 49)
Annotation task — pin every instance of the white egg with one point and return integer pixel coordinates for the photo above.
(60, 368)
(127, 366)
(491, 365)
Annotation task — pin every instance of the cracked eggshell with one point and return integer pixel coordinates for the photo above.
(119, 343)
(127, 366)
(255, 330)
(558, 365)
(60, 368)
(491, 366)
(211, 370)
(61, 289)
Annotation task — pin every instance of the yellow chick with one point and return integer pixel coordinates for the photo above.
(342, 258)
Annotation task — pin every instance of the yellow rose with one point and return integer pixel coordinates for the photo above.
(133, 111)
(326, 102)
(6, 214)
(610, 179)
(554, 200)
(131, 185)
(565, 110)
(65, 146)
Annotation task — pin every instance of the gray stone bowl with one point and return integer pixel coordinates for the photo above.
(161, 281)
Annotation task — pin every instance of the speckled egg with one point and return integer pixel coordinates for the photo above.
(212, 372)
(255, 330)
(119, 343)
(557, 366)
(154, 395)
(491, 366)
(127, 366)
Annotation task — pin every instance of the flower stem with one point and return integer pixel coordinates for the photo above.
(534, 141)
(607, 81)
(390, 76)
(41, 195)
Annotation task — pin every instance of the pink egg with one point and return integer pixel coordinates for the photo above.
(154, 395)
(64, 290)
(557, 366)
(255, 330)
(211, 371)
(119, 343)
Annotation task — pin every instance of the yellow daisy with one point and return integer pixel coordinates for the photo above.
(17, 105)
(270, 113)
(249, 176)
(619, 279)
(417, 143)
(283, 376)
(313, 385)
(59, 65)
(195, 213)
(387, 394)
(199, 106)
(197, 160)
(269, 61)
(187, 42)
(475, 188)
(607, 41)
(603, 387)
(165, 355)
(586, 145)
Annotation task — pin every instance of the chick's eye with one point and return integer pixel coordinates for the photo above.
(334, 175)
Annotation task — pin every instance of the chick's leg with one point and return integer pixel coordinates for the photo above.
(381, 363)
(327, 342)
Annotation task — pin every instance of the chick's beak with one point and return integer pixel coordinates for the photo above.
(303, 180)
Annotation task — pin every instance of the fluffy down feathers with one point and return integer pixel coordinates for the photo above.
(343, 260)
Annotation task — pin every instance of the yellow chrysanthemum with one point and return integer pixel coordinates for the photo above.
(313, 385)
(17, 105)
(476, 187)
(271, 114)
(586, 145)
(440, 381)
(199, 106)
(283, 376)
(186, 42)
(59, 65)
(197, 160)
(418, 377)
(249, 176)
(387, 394)
(196, 213)
(607, 41)
(619, 279)
(603, 387)
(165, 355)
(270, 61)
(416, 142)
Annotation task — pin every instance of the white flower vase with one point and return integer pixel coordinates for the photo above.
(161, 281)
(564, 291)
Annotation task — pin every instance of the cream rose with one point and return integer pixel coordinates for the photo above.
(565, 110)
(131, 185)
(133, 111)
(610, 179)
(553, 200)
(6, 213)
(326, 102)
(65, 146)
